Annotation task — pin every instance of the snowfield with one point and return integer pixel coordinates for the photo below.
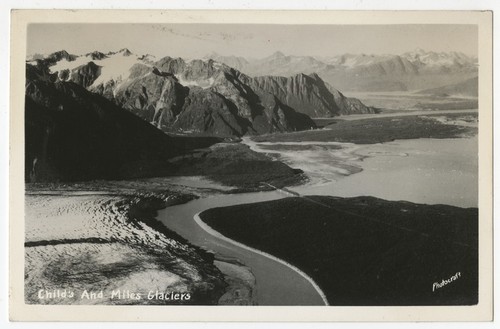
(202, 83)
(115, 67)
(82, 243)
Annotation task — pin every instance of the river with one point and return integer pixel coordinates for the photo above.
(277, 284)
(431, 171)
(424, 171)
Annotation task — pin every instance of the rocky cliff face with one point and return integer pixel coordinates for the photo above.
(58, 56)
(310, 95)
(202, 98)
(96, 55)
(84, 75)
(206, 98)
(210, 113)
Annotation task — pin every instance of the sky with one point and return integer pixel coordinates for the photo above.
(250, 40)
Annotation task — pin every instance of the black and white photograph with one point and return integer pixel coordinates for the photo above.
(206, 163)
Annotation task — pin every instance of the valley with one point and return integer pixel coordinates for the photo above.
(242, 188)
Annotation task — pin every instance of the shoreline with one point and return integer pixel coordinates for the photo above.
(218, 235)
(231, 268)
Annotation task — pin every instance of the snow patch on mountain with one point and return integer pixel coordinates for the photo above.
(431, 58)
(64, 64)
(115, 67)
(202, 83)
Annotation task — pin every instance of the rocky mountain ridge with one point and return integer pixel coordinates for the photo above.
(200, 97)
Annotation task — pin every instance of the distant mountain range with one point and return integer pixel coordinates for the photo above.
(414, 70)
(202, 97)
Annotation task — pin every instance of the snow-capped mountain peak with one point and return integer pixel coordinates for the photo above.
(433, 59)
(113, 66)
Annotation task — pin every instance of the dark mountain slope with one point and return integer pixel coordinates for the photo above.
(73, 134)
(203, 98)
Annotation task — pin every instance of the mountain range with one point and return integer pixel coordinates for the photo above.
(199, 97)
(104, 115)
(412, 71)
(101, 115)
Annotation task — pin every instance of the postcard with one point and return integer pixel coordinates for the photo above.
(251, 165)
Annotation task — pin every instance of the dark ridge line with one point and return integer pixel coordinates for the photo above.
(67, 241)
